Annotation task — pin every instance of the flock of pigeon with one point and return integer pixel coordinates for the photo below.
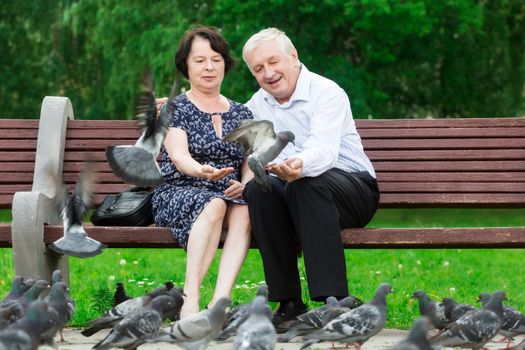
(33, 313)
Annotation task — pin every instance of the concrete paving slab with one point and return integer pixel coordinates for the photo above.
(383, 340)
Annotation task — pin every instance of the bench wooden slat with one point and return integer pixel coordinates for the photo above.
(444, 133)
(445, 144)
(137, 237)
(444, 123)
(401, 166)
(452, 200)
(453, 187)
(461, 154)
(451, 176)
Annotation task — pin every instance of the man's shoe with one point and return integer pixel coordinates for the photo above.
(285, 315)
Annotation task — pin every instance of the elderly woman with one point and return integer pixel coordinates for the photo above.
(204, 176)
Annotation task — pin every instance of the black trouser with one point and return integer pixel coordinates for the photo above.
(310, 211)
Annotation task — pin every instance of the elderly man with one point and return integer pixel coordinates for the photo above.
(321, 184)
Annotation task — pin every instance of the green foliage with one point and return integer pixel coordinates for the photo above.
(102, 299)
(394, 58)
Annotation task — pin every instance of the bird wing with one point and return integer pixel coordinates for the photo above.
(252, 135)
(145, 106)
(80, 200)
(476, 326)
(191, 328)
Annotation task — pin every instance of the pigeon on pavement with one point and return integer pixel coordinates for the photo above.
(176, 294)
(58, 299)
(435, 311)
(260, 143)
(137, 327)
(75, 241)
(257, 332)
(137, 164)
(196, 331)
(238, 314)
(417, 338)
(15, 292)
(116, 313)
(120, 295)
(513, 320)
(314, 319)
(454, 310)
(357, 325)
(474, 329)
(25, 334)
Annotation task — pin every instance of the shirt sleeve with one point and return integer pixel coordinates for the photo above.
(327, 122)
(252, 107)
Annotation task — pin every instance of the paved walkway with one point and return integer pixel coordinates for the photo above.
(385, 339)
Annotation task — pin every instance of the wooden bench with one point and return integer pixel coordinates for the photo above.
(420, 163)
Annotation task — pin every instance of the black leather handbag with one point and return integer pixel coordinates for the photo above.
(128, 208)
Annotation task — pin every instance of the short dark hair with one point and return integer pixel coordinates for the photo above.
(217, 43)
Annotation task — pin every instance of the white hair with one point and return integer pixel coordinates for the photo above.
(283, 42)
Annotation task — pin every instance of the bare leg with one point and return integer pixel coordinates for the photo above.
(234, 250)
(202, 245)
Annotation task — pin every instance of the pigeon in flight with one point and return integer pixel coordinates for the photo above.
(75, 241)
(137, 164)
(260, 143)
(474, 329)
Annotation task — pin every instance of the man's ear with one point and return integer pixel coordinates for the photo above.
(295, 55)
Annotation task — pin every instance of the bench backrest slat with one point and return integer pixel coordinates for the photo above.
(419, 162)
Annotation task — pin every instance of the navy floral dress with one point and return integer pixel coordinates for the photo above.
(178, 202)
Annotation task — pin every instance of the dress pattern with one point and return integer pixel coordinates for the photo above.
(178, 202)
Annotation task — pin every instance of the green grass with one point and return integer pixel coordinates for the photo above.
(460, 273)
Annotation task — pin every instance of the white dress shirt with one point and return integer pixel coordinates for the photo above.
(319, 115)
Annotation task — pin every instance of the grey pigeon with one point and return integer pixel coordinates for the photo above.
(137, 327)
(16, 291)
(120, 295)
(11, 313)
(357, 325)
(417, 338)
(432, 309)
(28, 283)
(75, 241)
(58, 300)
(30, 295)
(474, 329)
(116, 313)
(454, 310)
(238, 314)
(176, 294)
(260, 143)
(25, 333)
(314, 319)
(195, 332)
(513, 320)
(137, 164)
(257, 332)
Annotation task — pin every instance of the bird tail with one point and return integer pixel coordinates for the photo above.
(88, 332)
(134, 165)
(77, 245)
(289, 335)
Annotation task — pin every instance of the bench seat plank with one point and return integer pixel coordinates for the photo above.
(153, 237)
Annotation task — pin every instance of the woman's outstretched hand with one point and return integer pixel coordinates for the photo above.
(214, 174)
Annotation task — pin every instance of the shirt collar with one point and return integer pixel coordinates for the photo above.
(301, 93)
